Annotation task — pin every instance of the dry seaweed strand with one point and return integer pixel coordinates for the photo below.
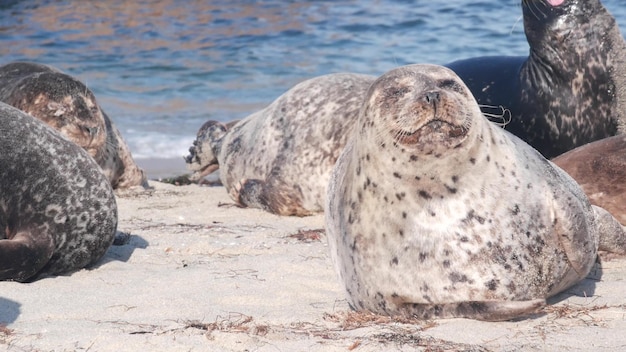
(308, 236)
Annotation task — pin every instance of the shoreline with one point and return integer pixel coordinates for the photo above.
(160, 168)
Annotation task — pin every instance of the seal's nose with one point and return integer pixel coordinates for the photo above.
(431, 97)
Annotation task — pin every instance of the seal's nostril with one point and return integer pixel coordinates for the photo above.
(431, 97)
(92, 131)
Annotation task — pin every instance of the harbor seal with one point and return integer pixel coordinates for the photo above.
(279, 159)
(69, 106)
(571, 88)
(57, 210)
(433, 212)
(600, 169)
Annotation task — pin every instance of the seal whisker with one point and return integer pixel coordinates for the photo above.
(519, 19)
(534, 9)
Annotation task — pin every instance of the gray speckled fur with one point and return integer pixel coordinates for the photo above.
(477, 225)
(280, 158)
(571, 88)
(69, 106)
(57, 210)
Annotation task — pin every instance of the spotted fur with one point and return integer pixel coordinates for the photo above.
(57, 210)
(570, 90)
(435, 212)
(280, 158)
(69, 106)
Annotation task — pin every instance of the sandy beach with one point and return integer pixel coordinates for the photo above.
(199, 274)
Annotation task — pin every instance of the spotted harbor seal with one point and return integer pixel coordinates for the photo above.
(570, 90)
(600, 169)
(57, 210)
(69, 106)
(280, 158)
(435, 212)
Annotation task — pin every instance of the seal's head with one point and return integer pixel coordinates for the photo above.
(65, 104)
(423, 108)
(561, 21)
(202, 158)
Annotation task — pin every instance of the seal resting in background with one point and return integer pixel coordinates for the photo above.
(434, 212)
(600, 169)
(57, 210)
(70, 107)
(279, 159)
(570, 90)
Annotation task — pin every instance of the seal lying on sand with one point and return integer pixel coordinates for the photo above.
(434, 212)
(280, 158)
(570, 90)
(57, 210)
(600, 169)
(70, 107)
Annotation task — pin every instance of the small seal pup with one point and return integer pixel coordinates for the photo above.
(571, 88)
(434, 212)
(57, 210)
(600, 169)
(69, 106)
(279, 159)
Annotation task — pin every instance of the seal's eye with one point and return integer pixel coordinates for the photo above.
(396, 92)
(450, 84)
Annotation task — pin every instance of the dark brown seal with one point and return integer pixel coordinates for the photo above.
(600, 169)
(57, 210)
(571, 88)
(70, 107)
(434, 212)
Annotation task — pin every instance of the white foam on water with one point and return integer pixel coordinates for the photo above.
(159, 145)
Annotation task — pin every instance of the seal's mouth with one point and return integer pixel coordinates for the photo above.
(556, 2)
(428, 131)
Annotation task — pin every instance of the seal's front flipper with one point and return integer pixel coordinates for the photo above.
(279, 200)
(24, 255)
(611, 232)
(480, 310)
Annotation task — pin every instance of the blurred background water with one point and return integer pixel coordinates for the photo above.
(161, 68)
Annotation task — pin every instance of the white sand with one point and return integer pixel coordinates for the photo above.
(197, 276)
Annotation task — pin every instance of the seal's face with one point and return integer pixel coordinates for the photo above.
(202, 158)
(66, 105)
(420, 107)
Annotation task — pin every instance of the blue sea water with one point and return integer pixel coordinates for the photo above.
(160, 68)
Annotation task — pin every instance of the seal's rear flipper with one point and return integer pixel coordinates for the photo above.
(480, 310)
(611, 232)
(24, 255)
(255, 193)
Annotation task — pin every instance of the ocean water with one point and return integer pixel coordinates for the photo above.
(161, 68)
